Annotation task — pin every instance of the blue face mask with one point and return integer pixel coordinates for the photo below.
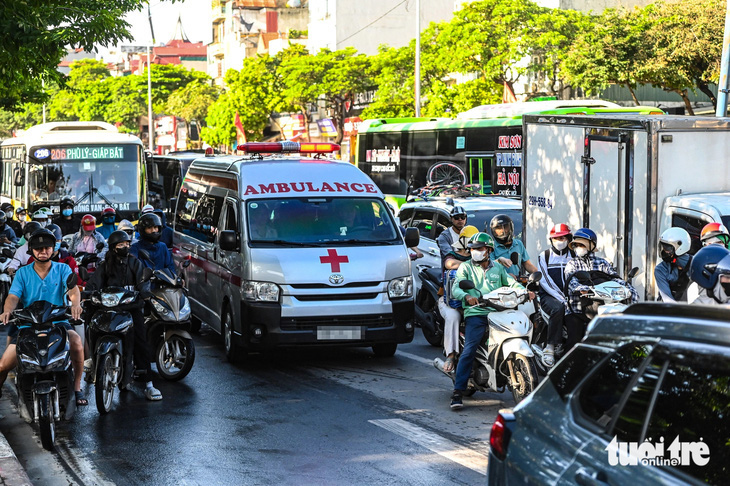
(109, 220)
(57, 247)
(67, 212)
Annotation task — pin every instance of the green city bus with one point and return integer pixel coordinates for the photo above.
(482, 147)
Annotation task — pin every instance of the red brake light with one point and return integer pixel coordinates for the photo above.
(289, 147)
(499, 437)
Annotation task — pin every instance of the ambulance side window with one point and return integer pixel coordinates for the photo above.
(187, 203)
(207, 216)
(231, 223)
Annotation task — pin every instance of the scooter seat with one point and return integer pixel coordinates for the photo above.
(433, 274)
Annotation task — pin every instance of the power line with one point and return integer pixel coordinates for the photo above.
(371, 23)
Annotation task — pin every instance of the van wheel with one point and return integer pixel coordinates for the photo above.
(231, 348)
(385, 350)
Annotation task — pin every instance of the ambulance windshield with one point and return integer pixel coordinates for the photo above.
(326, 221)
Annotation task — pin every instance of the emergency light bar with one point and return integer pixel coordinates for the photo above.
(289, 147)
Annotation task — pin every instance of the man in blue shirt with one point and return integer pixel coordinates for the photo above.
(149, 228)
(503, 231)
(43, 279)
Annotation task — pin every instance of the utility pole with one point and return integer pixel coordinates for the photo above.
(723, 85)
(150, 120)
(418, 58)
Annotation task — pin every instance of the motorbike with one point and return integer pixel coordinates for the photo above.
(426, 308)
(44, 378)
(605, 294)
(6, 256)
(111, 337)
(169, 325)
(504, 357)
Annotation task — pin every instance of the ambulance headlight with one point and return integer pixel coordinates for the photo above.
(261, 291)
(400, 287)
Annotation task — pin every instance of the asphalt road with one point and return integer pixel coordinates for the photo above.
(309, 416)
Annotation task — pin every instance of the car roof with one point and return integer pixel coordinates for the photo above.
(720, 201)
(698, 323)
(468, 203)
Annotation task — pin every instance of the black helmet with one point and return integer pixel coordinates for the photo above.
(41, 238)
(5, 206)
(502, 220)
(56, 230)
(3, 218)
(30, 228)
(66, 202)
(458, 211)
(117, 237)
(149, 220)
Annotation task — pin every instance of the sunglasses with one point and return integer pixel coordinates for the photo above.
(459, 216)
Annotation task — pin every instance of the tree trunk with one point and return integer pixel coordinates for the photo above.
(706, 89)
(633, 95)
(687, 103)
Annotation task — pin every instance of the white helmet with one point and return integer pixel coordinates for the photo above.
(678, 238)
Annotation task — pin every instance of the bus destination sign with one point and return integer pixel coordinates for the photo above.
(106, 152)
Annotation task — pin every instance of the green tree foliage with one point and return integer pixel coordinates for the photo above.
(221, 128)
(34, 36)
(192, 101)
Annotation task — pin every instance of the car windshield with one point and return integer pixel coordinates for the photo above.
(326, 221)
(482, 217)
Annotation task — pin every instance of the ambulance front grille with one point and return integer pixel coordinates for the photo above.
(311, 323)
(322, 297)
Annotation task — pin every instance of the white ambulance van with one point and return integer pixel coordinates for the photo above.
(292, 250)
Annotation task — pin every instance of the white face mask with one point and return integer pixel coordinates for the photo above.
(581, 252)
(478, 255)
(110, 182)
(560, 245)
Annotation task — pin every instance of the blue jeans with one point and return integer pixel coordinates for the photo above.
(476, 326)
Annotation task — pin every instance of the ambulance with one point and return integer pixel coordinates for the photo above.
(290, 250)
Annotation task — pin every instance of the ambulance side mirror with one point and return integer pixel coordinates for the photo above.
(413, 237)
(228, 240)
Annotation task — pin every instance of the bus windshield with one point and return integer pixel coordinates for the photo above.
(312, 221)
(93, 176)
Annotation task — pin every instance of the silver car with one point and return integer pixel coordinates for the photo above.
(644, 399)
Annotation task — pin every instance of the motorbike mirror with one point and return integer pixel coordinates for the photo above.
(147, 274)
(515, 258)
(64, 244)
(535, 277)
(583, 277)
(100, 246)
(186, 264)
(412, 238)
(7, 252)
(466, 285)
(71, 281)
(84, 274)
(633, 272)
(144, 255)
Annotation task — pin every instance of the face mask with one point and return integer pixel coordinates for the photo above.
(109, 220)
(478, 255)
(122, 252)
(667, 257)
(560, 245)
(9, 215)
(67, 212)
(153, 237)
(43, 223)
(110, 182)
(57, 247)
(581, 252)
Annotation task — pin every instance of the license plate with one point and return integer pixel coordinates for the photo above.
(339, 333)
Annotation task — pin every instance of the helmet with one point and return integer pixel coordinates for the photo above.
(458, 211)
(56, 230)
(108, 211)
(466, 233)
(560, 229)
(20, 209)
(502, 220)
(117, 237)
(3, 218)
(715, 230)
(67, 202)
(149, 220)
(41, 238)
(5, 206)
(705, 263)
(147, 208)
(40, 214)
(125, 225)
(481, 239)
(30, 228)
(88, 222)
(585, 234)
(677, 238)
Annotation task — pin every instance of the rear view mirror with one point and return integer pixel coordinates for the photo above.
(71, 281)
(466, 285)
(633, 272)
(186, 264)
(584, 278)
(84, 274)
(228, 240)
(7, 252)
(147, 274)
(413, 237)
(515, 258)
(100, 246)
(532, 281)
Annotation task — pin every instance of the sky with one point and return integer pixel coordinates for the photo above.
(195, 20)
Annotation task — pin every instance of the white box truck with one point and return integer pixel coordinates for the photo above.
(628, 178)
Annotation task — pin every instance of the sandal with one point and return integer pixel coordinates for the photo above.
(548, 358)
(449, 365)
(80, 400)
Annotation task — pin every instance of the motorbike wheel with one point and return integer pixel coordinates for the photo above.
(104, 387)
(385, 350)
(175, 357)
(435, 339)
(45, 422)
(469, 392)
(526, 375)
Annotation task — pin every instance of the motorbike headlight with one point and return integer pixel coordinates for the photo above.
(163, 311)
(400, 287)
(261, 291)
(185, 310)
(508, 300)
(111, 299)
(601, 294)
(58, 360)
(28, 362)
(129, 299)
(620, 293)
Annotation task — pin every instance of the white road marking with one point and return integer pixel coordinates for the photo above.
(415, 357)
(83, 467)
(435, 443)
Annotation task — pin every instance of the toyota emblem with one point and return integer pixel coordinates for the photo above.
(336, 279)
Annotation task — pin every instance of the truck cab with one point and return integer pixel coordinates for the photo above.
(693, 211)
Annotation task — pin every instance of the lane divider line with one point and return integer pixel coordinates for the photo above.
(435, 443)
(415, 357)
